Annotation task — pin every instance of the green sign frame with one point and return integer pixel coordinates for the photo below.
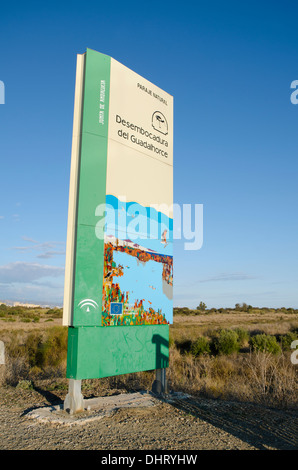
(101, 343)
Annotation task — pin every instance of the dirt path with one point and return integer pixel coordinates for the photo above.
(181, 423)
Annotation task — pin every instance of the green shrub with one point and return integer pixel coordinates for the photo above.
(202, 307)
(243, 336)
(25, 385)
(53, 351)
(225, 342)
(287, 339)
(55, 312)
(212, 310)
(264, 343)
(48, 351)
(200, 346)
(31, 347)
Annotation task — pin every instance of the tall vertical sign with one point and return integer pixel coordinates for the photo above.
(119, 259)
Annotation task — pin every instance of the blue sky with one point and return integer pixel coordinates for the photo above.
(229, 67)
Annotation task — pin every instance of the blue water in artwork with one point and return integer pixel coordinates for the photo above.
(150, 231)
(144, 281)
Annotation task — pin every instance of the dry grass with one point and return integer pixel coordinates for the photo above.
(259, 377)
(36, 354)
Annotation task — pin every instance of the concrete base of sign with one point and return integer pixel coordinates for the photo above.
(94, 408)
(160, 385)
(74, 400)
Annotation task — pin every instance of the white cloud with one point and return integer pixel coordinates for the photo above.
(229, 277)
(46, 250)
(27, 239)
(32, 283)
(27, 272)
(50, 254)
(32, 293)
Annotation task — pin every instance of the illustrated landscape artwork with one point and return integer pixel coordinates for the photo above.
(138, 274)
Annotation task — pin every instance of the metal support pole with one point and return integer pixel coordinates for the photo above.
(74, 400)
(160, 385)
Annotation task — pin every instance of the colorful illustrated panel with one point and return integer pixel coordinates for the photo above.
(138, 265)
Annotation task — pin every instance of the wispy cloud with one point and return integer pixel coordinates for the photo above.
(35, 293)
(50, 254)
(32, 282)
(20, 272)
(221, 277)
(45, 250)
(238, 276)
(27, 239)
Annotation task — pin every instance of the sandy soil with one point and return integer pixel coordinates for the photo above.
(175, 423)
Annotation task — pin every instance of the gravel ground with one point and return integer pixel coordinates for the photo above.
(178, 423)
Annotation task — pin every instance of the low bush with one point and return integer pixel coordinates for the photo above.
(225, 342)
(243, 336)
(200, 346)
(264, 343)
(52, 351)
(39, 350)
(286, 340)
(55, 312)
